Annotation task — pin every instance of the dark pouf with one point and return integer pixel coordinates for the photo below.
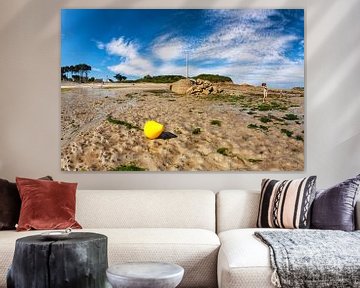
(78, 261)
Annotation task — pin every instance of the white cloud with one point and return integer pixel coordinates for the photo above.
(167, 48)
(137, 67)
(170, 69)
(100, 45)
(121, 47)
(132, 63)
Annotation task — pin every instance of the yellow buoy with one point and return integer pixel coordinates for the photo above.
(153, 129)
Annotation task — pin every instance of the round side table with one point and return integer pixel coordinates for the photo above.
(78, 261)
(145, 275)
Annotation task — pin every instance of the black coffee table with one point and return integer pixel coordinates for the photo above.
(78, 261)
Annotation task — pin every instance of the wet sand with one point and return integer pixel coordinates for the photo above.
(233, 130)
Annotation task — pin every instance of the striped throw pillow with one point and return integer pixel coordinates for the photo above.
(286, 204)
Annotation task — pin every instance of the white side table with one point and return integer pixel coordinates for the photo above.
(145, 275)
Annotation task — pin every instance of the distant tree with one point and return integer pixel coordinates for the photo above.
(79, 72)
(64, 72)
(76, 78)
(120, 77)
(86, 69)
(72, 70)
(63, 76)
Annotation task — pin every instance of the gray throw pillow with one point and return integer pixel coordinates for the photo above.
(334, 208)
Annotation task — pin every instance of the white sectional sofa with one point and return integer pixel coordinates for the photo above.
(172, 226)
(177, 226)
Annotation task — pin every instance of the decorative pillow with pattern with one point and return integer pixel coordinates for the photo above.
(286, 204)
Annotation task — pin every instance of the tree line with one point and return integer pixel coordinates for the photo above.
(78, 73)
(173, 78)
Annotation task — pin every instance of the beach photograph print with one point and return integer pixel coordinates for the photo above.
(182, 90)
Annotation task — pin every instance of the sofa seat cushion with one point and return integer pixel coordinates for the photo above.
(244, 261)
(194, 249)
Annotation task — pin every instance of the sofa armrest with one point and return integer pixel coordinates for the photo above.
(357, 215)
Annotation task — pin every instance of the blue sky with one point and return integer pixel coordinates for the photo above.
(249, 45)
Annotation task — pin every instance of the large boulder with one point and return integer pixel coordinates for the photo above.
(195, 87)
(181, 86)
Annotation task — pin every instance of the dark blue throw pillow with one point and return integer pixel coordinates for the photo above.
(334, 208)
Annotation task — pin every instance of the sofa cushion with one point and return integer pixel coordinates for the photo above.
(10, 204)
(334, 208)
(244, 261)
(146, 209)
(194, 249)
(46, 204)
(236, 209)
(286, 204)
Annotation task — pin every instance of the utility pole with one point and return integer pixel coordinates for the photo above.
(187, 64)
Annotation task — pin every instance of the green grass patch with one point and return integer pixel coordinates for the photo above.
(130, 167)
(262, 127)
(223, 151)
(264, 107)
(291, 117)
(215, 122)
(287, 132)
(196, 131)
(272, 106)
(265, 119)
(299, 138)
(253, 126)
(121, 122)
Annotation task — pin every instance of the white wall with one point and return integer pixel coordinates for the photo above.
(30, 107)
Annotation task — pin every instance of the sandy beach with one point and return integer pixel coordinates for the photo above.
(232, 130)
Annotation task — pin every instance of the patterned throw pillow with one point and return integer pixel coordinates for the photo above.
(286, 204)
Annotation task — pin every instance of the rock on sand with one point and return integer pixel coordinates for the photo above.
(181, 86)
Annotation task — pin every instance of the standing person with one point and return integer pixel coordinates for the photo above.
(265, 91)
